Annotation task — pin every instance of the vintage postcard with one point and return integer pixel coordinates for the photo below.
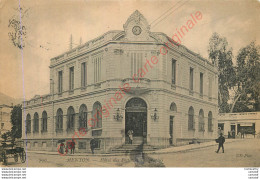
(120, 83)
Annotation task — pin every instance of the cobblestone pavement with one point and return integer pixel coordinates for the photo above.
(242, 153)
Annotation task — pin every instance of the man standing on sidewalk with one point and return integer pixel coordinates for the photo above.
(92, 145)
(72, 145)
(220, 141)
(242, 133)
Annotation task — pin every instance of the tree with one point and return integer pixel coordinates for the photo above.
(18, 31)
(247, 88)
(6, 136)
(221, 55)
(16, 120)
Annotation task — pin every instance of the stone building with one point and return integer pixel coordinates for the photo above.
(249, 122)
(121, 81)
(5, 119)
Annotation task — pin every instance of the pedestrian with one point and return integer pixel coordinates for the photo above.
(229, 134)
(243, 133)
(219, 130)
(72, 147)
(220, 141)
(62, 148)
(66, 147)
(92, 145)
(130, 136)
(239, 135)
(233, 134)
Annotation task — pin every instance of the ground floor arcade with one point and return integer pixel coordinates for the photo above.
(158, 119)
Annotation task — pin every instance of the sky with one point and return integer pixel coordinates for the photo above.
(50, 23)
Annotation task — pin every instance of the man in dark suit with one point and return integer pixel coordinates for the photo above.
(72, 145)
(220, 141)
(242, 133)
(92, 145)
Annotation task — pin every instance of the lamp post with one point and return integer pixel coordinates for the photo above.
(155, 115)
(118, 116)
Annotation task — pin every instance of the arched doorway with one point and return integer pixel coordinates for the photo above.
(136, 120)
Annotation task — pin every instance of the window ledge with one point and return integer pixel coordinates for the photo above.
(70, 130)
(97, 85)
(71, 91)
(79, 128)
(83, 88)
(191, 92)
(173, 86)
(59, 130)
(96, 129)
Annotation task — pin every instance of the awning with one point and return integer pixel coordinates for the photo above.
(246, 124)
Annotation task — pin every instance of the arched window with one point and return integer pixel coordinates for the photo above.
(173, 107)
(97, 115)
(28, 123)
(44, 121)
(59, 120)
(210, 122)
(70, 119)
(36, 123)
(83, 116)
(191, 123)
(201, 120)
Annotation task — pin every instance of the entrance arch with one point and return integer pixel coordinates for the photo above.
(136, 120)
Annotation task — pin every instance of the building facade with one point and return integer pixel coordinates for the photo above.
(5, 118)
(121, 81)
(238, 122)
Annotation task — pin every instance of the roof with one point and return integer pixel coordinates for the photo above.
(239, 116)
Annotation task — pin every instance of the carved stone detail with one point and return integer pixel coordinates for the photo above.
(118, 51)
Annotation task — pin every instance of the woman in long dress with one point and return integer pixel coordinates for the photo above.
(130, 135)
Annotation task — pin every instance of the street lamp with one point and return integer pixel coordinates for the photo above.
(155, 115)
(118, 116)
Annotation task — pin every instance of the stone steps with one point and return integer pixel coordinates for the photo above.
(128, 148)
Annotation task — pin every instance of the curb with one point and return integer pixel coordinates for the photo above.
(126, 154)
(190, 149)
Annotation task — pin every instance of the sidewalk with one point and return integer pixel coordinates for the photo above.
(190, 147)
(183, 148)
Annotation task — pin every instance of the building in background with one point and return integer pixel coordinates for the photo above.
(247, 122)
(5, 118)
(121, 81)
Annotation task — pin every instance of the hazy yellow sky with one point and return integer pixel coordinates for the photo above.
(49, 24)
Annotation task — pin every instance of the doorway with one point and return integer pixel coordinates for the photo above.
(171, 130)
(136, 120)
(233, 131)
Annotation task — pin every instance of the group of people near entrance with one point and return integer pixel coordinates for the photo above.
(130, 134)
(94, 143)
(241, 134)
(232, 134)
(64, 148)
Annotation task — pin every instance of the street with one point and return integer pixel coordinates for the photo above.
(241, 153)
